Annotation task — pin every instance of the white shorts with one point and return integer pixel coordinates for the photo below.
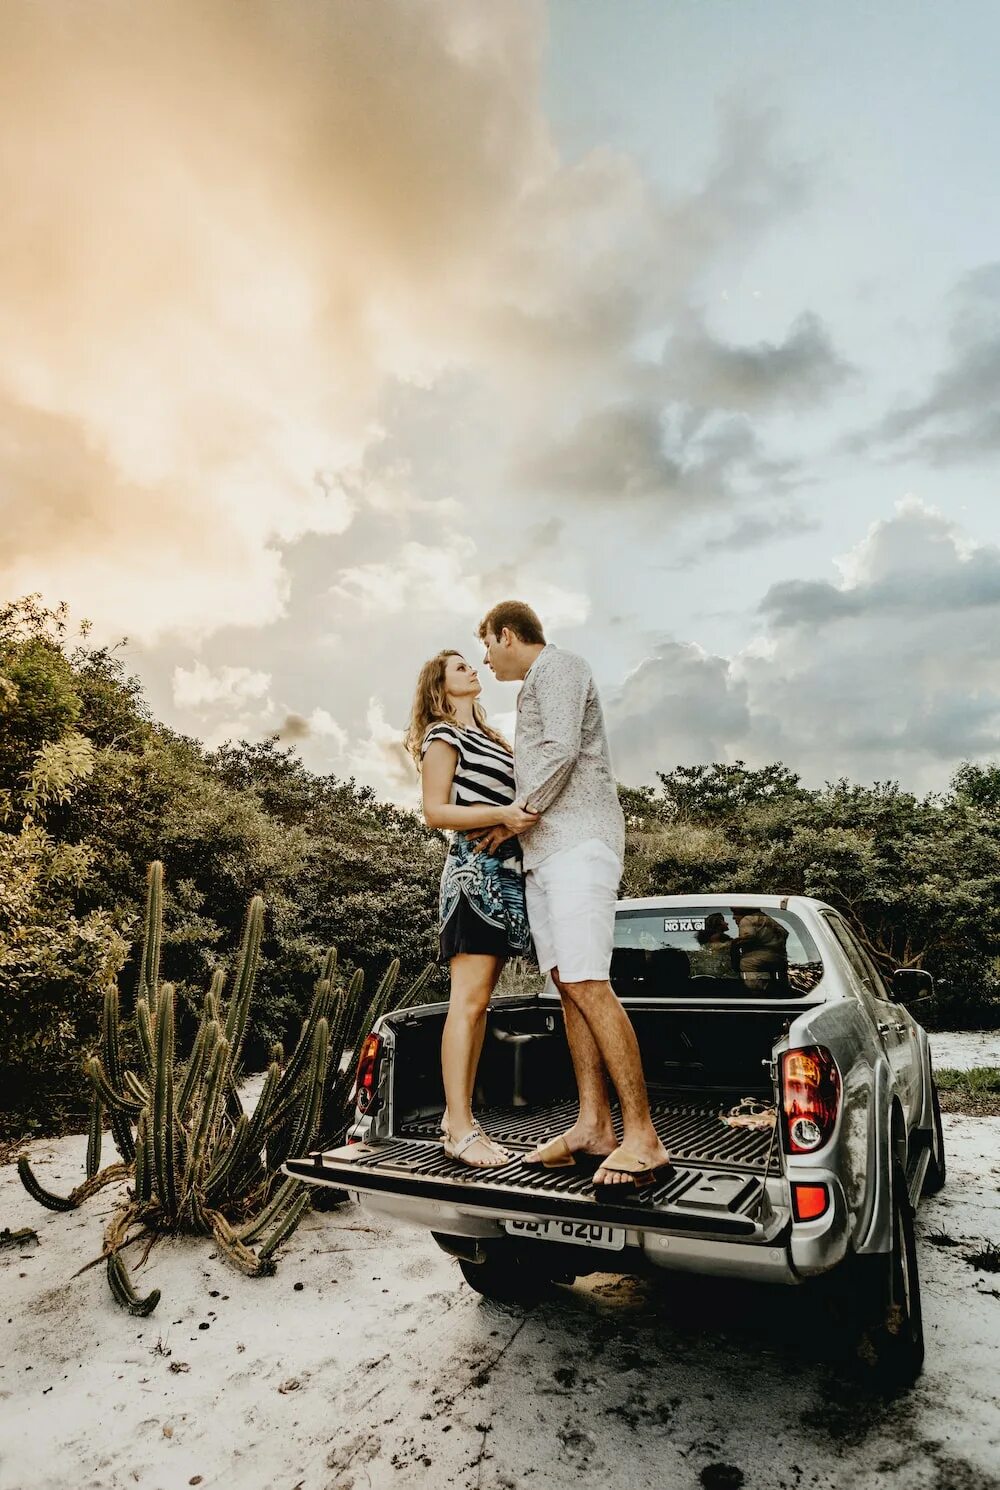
(571, 899)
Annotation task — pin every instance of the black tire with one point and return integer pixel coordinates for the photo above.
(327, 1198)
(936, 1171)
(506, 1277)
(890, 1345)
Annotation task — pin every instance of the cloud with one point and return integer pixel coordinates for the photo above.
(958, 419)
(752, 529)
(319, 724)
(679, 704)
(198, 686)
(212, 268)
(446, 579)
(293, 727)
(642, 452)
(914, 565)
(380, 759)
(803, 369)
(230, 231)
(892, 671)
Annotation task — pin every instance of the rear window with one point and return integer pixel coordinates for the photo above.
(713, 952)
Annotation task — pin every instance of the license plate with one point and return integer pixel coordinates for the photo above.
(583, 1233)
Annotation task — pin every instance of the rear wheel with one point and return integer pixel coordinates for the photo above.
(507, 1277)
(934, 1177)
(890, 1346)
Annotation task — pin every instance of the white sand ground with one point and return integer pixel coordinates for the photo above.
(368, 1363)
(963, 1049)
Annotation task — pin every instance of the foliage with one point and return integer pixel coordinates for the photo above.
(980, 1081)
(92, 789)
(196, 1161)
(919, 878)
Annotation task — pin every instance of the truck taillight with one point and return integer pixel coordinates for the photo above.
(809, 1202)
(367, 1082)
(810, 1087)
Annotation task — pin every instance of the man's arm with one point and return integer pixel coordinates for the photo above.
(561, 695)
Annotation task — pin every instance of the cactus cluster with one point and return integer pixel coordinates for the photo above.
(196, 1161)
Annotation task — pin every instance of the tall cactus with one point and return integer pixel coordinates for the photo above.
(196, 1161)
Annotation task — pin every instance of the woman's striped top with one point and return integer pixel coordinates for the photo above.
(484, 771)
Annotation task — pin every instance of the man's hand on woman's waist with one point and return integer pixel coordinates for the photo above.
(517, 819)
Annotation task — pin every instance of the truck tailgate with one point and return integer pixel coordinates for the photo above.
(715, 1188)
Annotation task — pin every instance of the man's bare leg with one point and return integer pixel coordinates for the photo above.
(611, 1031)
(593, 1131)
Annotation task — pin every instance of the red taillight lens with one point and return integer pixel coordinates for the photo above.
(367, 1082)
(810, 1085)
(809, 1201)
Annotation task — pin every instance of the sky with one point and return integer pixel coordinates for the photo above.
(324, 325)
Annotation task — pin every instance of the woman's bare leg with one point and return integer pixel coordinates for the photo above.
(473, 979)
(476, 1049)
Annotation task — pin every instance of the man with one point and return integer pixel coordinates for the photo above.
(760, 948)
(573, 859)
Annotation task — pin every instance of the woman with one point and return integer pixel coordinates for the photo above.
(467, 772)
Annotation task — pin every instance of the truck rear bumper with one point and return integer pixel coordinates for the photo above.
(759, 1261)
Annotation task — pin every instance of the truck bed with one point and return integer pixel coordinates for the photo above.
(689, 1128)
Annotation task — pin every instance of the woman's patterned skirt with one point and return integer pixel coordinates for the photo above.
(482, 907)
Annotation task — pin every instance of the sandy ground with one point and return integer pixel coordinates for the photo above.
(334, 1375)
(962, 1049)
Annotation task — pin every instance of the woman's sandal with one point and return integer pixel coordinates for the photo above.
(640, 1174)
(557, 1154)
(456, 1150)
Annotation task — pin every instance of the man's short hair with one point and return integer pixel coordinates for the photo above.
(517, 617)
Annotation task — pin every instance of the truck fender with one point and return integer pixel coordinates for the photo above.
(874, 1230)
(926, 1123)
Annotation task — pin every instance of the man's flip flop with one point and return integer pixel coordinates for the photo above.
(557, 1154)
(640, 1174)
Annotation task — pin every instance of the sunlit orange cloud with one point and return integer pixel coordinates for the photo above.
(231, 229)
(225, 227)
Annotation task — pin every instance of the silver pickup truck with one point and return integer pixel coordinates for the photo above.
(733, 997)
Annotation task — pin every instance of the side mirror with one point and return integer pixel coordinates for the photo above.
(911, 985)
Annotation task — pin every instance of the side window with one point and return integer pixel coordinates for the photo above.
(870, 987)
(878, 983)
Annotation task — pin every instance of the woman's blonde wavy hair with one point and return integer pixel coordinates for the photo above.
(430, 706)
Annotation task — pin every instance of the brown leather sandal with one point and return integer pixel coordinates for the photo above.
(640, 1174)
(557, 1154)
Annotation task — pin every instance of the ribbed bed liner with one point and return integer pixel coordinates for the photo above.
(690, 1130)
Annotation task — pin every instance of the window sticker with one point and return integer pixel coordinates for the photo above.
(684, 923)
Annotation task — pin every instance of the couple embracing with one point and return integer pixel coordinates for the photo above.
(536, 854)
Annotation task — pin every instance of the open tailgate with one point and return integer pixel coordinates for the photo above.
(711, 1200)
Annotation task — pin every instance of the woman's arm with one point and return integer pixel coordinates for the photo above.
(438, 774)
